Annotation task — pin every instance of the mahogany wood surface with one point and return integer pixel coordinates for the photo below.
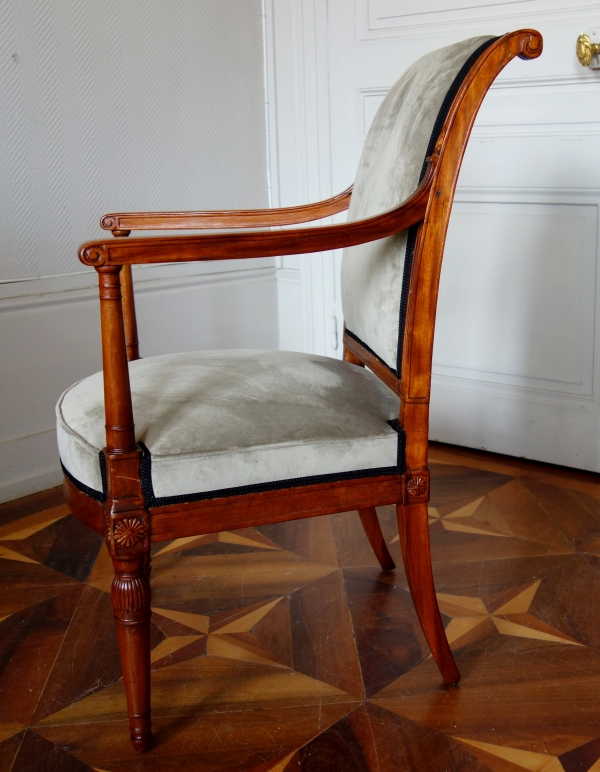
(427, 260)
(350, 357)
(87, 509)
(235, 246)
(368, 518)
(212, 515)
(363, 356)
(130, 527)
(250, 218)
(129, 318)
(350, 684)
(413, 530)
(131, 595)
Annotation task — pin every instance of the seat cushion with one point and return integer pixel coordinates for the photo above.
(213, 421)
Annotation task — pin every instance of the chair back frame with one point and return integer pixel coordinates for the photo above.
(129, 525)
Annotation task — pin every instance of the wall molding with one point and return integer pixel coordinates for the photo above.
(300, 152)
(519, 392)
(467, 407)
(369, 99)
(51, 339)
(143, 285)
(583, 389)
(371, 24)
(529, 432)
(29, 464)
(536, 130)
(504, 195)
(585, 78)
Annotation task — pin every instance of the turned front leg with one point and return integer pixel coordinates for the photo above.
(131, 602)
(127, 521)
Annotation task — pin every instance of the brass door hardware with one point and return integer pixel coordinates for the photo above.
(586, 50)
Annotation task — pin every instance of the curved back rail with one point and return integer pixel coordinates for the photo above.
(427, 261)
(429, 207)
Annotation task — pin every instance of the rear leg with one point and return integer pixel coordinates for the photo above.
(413, 527)
(368, 518)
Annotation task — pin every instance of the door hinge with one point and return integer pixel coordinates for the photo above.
(334, 333)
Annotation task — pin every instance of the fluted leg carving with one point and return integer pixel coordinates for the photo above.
(413, 527)
(131, 604)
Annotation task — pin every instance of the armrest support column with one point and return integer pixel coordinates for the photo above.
(131, 333)
(120, 433)
(129, 318)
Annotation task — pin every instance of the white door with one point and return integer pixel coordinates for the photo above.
(517, 349)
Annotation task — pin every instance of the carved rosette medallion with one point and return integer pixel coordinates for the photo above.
(416, 489)
(129, 532)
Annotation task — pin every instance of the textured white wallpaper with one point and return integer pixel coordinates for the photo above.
(123, 105)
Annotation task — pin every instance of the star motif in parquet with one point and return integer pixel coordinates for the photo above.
(242, 634)
(16, 542)
(285, 649)
(454, 520)
(505, 613)
(504, 759)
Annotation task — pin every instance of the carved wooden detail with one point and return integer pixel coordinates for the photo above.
(130, 593)
(93, 256)
(131, 597)
(129, 527)
(130, 531)
(123, 224)
(532, 46)
(233, 246)
(416, 486)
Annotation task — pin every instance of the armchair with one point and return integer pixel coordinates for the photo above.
(231, 439)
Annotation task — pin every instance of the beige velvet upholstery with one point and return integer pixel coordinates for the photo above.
(388, 172)
(215, 420)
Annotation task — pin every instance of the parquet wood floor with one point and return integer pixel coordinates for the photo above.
(285, 648)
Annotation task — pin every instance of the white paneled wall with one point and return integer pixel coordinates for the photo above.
(517, 350)
(117, 105)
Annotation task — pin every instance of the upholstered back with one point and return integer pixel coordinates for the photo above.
(403, 133)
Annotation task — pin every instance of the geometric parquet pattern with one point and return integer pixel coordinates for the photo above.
(285, 649)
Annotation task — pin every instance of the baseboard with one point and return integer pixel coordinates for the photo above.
(50, 339)
(28, 465)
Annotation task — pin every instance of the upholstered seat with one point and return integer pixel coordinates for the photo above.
(187, 444)
(214, 421)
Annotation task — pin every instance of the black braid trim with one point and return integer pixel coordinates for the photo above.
(146, 475)
(395, 424)
(411, 242)
(370, 350)
(413, 230)
(297, 482)
(91, 492)
(103, 474)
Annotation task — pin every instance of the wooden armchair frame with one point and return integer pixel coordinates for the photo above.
(130, 526)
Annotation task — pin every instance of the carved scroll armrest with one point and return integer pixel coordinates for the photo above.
(235, 246)
(251, 218)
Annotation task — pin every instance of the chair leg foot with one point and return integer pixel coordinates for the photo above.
(141, 738)
(368, 518)
(413, 527)
(131, 604)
